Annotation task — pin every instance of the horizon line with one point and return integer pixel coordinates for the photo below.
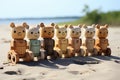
(60, 17)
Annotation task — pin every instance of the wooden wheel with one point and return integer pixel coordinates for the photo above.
(108, 52)
(14, 58)
(9, 57)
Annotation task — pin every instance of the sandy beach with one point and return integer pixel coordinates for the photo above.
(62, 69)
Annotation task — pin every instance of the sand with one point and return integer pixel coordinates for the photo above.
(62, 69)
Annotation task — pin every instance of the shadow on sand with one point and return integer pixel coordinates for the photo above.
(67, 61)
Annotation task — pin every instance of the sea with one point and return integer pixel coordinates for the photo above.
(37, 20)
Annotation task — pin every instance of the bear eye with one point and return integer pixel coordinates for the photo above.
(45, 31)
(59, 31)
(23, 30)
(87, 31)
(80, 31)
(38, 32)
(107, 32)
(14, 31)
(72, 31)
(65, 31)
(31, 32)
(100, 32)
(52, 31)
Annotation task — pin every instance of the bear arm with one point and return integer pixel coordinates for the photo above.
(80, 42)
(53, 42)
(94, 41)
(70, 42)
(43, 45)
(26, 44)
(57, 43)
(107, 42)
(97, 42)
(12, 44)
(84, 43)
(67, 42)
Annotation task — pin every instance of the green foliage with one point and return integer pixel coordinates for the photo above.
(92, 17)
(97, 17)
(112, 18)
(86, 9)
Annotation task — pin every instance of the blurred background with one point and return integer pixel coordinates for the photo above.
(60, 11)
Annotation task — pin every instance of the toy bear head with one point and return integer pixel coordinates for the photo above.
(75, 31)
(89, 31)
(47, 31)
(18, 32)
(33, 33)
(61, 32)
(102, 31)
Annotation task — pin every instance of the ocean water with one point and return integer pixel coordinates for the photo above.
(36, 20)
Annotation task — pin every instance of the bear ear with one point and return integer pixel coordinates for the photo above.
(106, 25)
(66, 26)
(56, 27)
(71, 26)
(38, 26)
(97, 26)
(42, 25)
(52, 24)
(80, 25)
(12, 25)
(93, 25)
(25, 25)
(84, 26)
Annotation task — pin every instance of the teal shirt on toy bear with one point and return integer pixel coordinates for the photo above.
(35, 47)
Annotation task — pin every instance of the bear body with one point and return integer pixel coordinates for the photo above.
(47, 33)
(74, 40)
(75, 44)
(49, 45)
(61, 43)
(19, 48)
(101, 42)
(88, 42)
(34, 44)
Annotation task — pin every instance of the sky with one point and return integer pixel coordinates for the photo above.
(53, 8)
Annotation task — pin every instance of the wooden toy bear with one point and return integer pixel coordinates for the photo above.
(19, 48)
(34, 44)
(74, 40)
(88, 42)
(47, 33)
(101, 42)
(61, 43)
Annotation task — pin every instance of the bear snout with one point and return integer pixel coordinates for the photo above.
(36, 35)
(77, 33)
(49, 33)
(19, 33)
(90, 32)
(63, 33)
